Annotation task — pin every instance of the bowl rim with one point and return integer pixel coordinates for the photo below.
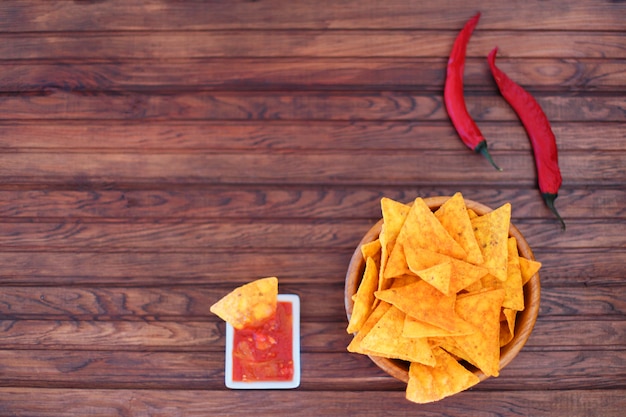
(525, 320)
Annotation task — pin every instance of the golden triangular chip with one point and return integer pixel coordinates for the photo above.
(385, 339)
(492, 233)
(528, 268)
(454, 217)
(474, 287)
(248, 305)
(374, 317)
(417, 328)
(423, 302)
(394, 214)
(462, 273)
(450, 345)
(483, 311)
(396, 264)
(421, 229)
(513, 290)
(403, 280)
(437, 275)
(447, 377)
(489, 282)
(364, 300)
(507, 325)
(371, 249)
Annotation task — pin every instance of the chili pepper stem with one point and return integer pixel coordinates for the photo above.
(481, 148)
(549, 199)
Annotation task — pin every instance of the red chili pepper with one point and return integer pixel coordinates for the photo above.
(539, 132)
(453, 94)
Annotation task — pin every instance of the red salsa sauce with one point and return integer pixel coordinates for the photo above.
(264, 353)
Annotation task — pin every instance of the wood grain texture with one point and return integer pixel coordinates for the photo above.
(240, 74)
(589, 267)
(370, 14)
(276, 135)
(173, 303)
(57, 104)
(202, 203)
(197, 370)
(324, 168)
(209, 236)
(311, 43)
(161, 403)
(156, 154)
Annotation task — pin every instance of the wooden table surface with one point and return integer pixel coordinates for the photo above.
(154, 155)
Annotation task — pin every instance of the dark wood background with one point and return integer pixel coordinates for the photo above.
(156, 154)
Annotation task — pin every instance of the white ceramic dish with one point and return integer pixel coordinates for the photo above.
(295, 381)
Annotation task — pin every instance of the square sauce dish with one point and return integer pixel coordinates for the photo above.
(266, 357)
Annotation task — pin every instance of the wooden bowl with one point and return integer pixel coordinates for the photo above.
(525, 319)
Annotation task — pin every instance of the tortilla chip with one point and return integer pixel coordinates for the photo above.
(403, 280)
(450, 345)
(394, 214)
(396, 264)
(423, 302)
(513, 290)
(462, 273)
(474, 287)
(507, 326)
(248, 305)
(374, 317)
(528, 268)
(483, 311)
(438, 276)
(454, 218)
(489, 282)
(384, 253)
(364, 301)
(385, 339)
(421, 229)
(492, 233)
(371, 249)
(417, 328)
(428, 384)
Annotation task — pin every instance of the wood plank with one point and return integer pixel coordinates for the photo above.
(191, 303)
(85, 335)
(161, 136)
(232, 74)
(555, 334)
(155, 15)
(179, 236)
(163, 303)
(587, 267)
(277, 202)
(189, 403)
(22, 402)
(210, 236)
(89, 268)
(178, 44)
(539, 235)
(253, 105)
(597, 169)
(350, 372)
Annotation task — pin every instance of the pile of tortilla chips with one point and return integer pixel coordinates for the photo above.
(248, 305)
(440, 290)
